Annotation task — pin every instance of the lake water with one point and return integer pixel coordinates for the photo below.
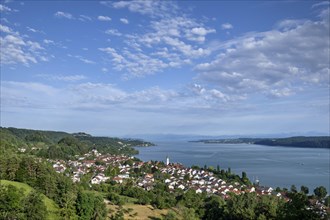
(273, 166)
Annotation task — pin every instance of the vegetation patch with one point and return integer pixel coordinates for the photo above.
(51, 206)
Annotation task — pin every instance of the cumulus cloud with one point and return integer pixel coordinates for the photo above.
(61, 14)
(15, 49)
(276, 63)
(137, 64)
(198, 33)
(6, 29)
(124, 20)
(173, 41)
(148, 7)
(227, 26)
(103, 18)
(202, 31)
(214, 95)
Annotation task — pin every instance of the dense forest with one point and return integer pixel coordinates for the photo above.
(62, 145)
(301, 141)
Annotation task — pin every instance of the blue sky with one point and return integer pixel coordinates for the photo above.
(121, 68)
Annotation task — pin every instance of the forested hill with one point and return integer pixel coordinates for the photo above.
(309, 142)
(301, 141)
(62, 145)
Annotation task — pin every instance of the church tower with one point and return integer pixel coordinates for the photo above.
(167, 160)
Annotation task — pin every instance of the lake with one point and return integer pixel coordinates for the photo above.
(273, 166)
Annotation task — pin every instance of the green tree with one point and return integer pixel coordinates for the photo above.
(242, 206)
(293, 189)
(34, 207)
(100, 210)
(10, 202)
(187, 214)
(320, 192)
(84, 205)
(268, 207)
(327, 201)
(170, 215)
(297, 208)
(215, 208)
(304, 189)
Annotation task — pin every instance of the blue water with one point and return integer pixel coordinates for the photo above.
(273, 166)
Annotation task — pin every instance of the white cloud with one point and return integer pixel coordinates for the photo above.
(65, 78)
(84, 18)
(4, 8)
(202, 31)
(276, 63)
(103, 18)
(113, 32)
(227, 26)
(61, 14)
(15, 50)
(169, 37)
(34, 30)
(6, 29)
(278, 93)
(87, 61)
(47, 41)
(148, 7)
(324, 3)
(124, 20)
(214, 96)
(137, 64)
(198, 34)
(186, 49)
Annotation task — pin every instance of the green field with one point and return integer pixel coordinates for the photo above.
(50, 204)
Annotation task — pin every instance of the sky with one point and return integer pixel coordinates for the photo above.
(129, 68)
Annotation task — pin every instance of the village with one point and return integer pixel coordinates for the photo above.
(120, 168)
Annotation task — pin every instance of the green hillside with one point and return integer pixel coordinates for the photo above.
(50, 204)
(62, 145)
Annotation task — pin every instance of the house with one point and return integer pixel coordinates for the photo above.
(99, 179)
(123, 176)
(118, 179)
(181, 187)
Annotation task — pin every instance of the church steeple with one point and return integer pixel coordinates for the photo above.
(167, 160)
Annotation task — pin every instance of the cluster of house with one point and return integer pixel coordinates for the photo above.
(180, 177)
(92, 162)
(177, 176)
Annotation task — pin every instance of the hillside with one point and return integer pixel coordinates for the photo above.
(52, 208)
(62, 145)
